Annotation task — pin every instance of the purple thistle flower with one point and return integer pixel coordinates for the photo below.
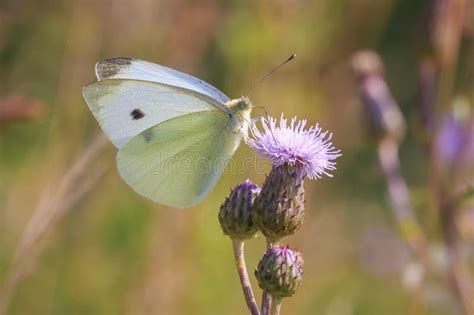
(295, 153)
(310, 149)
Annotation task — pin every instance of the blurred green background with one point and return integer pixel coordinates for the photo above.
(114, 252)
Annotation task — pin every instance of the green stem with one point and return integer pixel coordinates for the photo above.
(266, 303)
(276, 305)
(266, 297)
(238, 246)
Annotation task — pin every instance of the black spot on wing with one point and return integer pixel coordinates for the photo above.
(137, 114)
(109, 67)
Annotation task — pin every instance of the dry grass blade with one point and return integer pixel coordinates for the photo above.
(52, 205)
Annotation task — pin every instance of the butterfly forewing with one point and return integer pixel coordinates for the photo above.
(136, 69)
(124, 108)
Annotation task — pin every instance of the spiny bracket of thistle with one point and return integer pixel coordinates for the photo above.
(235, 214)
(280, 271)
(295, 153)
(279, 208)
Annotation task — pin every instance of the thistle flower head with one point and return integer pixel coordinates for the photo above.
(235, 214)
(280, 271)
(282, 143)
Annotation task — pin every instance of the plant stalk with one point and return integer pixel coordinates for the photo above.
(266, 297)
(238, 246)
(276, 305)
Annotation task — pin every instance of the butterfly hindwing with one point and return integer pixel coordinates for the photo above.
(179, 161)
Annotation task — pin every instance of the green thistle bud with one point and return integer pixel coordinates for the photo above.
(279, 208)
(235, 214)
(280, 271)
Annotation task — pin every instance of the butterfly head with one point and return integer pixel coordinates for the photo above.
(240, 105)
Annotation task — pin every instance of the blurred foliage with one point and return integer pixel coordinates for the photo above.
(117, 253)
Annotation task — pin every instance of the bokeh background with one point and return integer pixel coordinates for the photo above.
(93, 246)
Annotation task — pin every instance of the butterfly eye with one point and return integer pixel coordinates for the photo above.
(241, 105)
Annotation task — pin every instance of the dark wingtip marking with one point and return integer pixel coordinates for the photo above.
(137, 114)
(119, 60)
(109, 67)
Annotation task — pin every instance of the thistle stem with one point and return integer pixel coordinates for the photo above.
(266, 303)
(266, 297)
(276, 305)
(238, 246)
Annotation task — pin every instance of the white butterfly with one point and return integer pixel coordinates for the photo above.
(175, 133)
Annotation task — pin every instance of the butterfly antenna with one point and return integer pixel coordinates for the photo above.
(270, 73)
